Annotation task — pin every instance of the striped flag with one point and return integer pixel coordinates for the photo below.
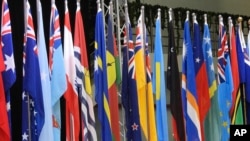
(9, 75)
(212, 122)
(159, 86)
(83, 79)
(173, 81)
(201, 77)
(111, 75)
(100, 78)
(189, 94)
(47, 130)
(225, 82)
(32, 98)
(4, 123)
(129, 90)
(71, 95)
(57, 71)
(140, 73)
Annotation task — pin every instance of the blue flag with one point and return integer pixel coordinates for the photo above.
(57, 71)
(129, 89)
(160, 87)
(100, 77)
(225, 83)
(189, 94)
(9, 75)
(47, 130)
(32, 98)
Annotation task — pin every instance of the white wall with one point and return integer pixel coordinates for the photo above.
(241, 7)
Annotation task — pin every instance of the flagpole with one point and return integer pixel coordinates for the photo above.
(118, 36)
(127, 41)
(28, 97)
(243, 85)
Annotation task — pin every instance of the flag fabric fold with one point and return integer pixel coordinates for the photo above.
(111, 75)
(83, 80)
(100, 78)
(57, 71)
(189, 93)
(160, 87)
(47, 130)
(174, 87)
(9, 74)
(248, 77)
(71, 95)
(32, 98)
(212, 121)
(129, 88)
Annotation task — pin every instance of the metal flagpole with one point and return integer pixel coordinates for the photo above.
(25, 36)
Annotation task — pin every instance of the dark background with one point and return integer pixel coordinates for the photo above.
(88, 9)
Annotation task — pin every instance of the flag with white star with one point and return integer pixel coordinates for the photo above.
(129, 91)
(47, 130)
(212, 128)
(200, 76)
(32, 102)
(189, 92)
(9, 75)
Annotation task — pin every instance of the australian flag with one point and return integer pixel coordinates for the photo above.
(32, 100)
(9, 75)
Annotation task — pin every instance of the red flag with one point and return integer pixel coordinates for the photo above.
(71, 95)
(4, 124)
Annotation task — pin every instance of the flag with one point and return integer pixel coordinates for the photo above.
(248, 77)
(159, 86)
(100, 78)
(83, 79)
(243, 65)
(9, 75)
(32, 98)
(152, 133)
(225, 82)
(111, 75)
(47, 130)
(57, 71)
(71, 95)
(129, 89)
(174, 87)
(189, 94)
(212, 121)
(4, 123)
(201, 77)
(236, 95)
(140, 73)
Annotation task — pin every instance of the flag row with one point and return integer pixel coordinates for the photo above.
(202, 105)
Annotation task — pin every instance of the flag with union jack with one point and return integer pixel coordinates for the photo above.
(129, 90)
(9, 75)
(225, 82)
(32, 98)
(57, 70)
